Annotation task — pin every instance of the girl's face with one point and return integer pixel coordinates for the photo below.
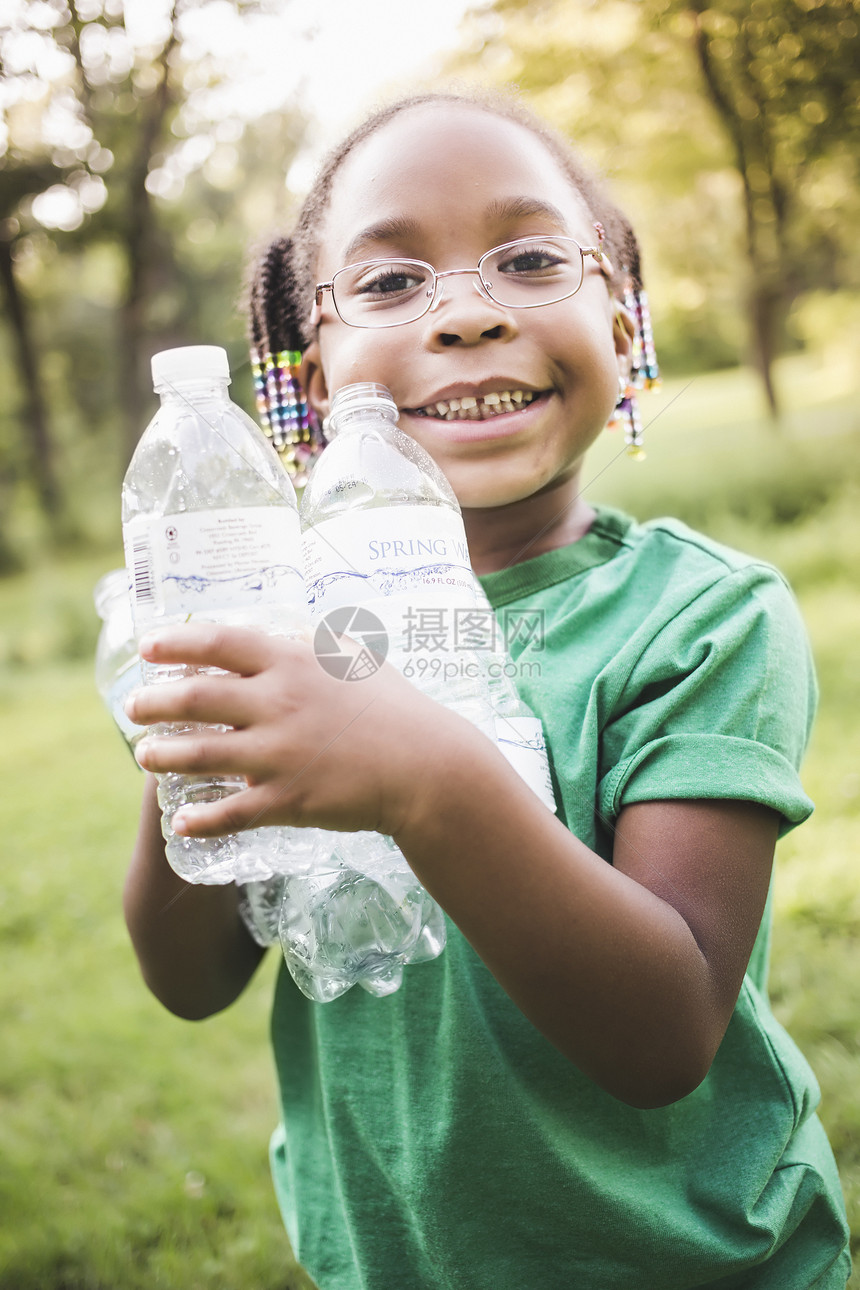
(446, 183)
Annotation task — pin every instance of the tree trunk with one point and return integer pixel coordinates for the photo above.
(36, 433)
(765, 309)
(764, 299)
(140, 252)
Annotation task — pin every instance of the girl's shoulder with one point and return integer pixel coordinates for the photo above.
(666, 538)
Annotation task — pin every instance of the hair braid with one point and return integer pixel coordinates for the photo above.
(274, 310)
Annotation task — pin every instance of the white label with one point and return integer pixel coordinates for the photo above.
(205, 562)
(401, 552)
(521, 740)
(129, 679)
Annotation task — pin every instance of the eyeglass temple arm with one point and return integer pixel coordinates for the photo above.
(316, 310)
(603, 261)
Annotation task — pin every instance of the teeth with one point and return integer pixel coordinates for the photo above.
(471, 408)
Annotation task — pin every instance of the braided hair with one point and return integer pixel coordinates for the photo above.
(283, 277)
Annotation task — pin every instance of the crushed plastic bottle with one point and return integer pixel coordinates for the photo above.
(386, 560)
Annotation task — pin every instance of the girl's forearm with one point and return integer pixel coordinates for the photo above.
(194, 951)
(607, 970)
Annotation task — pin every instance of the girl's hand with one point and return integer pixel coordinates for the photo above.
(315, 750)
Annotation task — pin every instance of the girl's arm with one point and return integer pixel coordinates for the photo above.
(194, 951)
(632, 970)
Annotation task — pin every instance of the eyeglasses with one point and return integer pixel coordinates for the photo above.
(524, 274)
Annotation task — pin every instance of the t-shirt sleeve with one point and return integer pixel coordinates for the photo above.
(718, 705)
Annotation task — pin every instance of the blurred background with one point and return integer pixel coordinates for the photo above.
(145, 147)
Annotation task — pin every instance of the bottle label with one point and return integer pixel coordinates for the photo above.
(128, 679)
(400, 553)
(521, 740)
(205, 562)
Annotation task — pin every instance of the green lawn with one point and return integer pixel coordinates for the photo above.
(133, 1145)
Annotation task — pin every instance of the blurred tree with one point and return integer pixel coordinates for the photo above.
(628, 98)
(784, 78)
(739, 117)
(105, 56)
(24, 182)
(124, 214)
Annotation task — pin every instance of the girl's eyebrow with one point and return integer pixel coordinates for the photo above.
(512, 208)
(397, 228)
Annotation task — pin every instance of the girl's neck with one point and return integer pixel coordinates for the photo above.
(505, 535)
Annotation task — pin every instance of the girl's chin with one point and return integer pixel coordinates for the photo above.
(491, 492)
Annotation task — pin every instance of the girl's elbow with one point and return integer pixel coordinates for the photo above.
(654, 1094)
(662, 1078)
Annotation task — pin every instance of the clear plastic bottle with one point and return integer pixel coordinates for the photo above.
(382, 529)
(383, 535)
(339, 928)
(117, 663)
(260, 908)
(211, 533)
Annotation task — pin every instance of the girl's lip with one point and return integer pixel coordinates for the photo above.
(501, 426)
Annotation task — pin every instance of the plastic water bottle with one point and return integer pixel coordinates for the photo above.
(338, 928)
(260, 908)
(211, 534)
(382, 530)
(117, 663)
(386, 562)
(384, 544)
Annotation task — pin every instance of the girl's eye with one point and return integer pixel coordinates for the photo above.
(532, 261)
(389, 282)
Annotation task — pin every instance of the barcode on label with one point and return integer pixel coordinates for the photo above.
(142, 572)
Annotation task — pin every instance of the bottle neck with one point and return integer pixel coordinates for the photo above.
(374, 415)
(203, 390)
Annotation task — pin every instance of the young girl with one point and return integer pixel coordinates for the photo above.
(587, 1089)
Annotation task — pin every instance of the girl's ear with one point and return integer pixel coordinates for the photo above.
(623, 334)
(312, 380)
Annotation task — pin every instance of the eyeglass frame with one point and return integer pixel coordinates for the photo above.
(597, 252)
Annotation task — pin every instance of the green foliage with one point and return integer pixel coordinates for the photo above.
(152, 256)
(742, 187)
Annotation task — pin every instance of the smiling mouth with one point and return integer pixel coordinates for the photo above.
(477, 407)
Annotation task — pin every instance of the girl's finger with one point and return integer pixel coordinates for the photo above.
(212, 700)
(243, 810)
(201, 753)
(234, 649)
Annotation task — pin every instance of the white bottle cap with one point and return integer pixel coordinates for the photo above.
(190, 363)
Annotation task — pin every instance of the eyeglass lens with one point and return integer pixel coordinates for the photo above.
(521, 274)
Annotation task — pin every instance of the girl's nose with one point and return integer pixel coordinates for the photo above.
(462, 312)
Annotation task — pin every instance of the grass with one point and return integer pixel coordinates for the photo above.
(133, 1145)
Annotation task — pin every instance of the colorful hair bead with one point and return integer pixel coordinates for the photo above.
(284, 413)
(644, 374)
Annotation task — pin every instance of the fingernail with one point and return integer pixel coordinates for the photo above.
(179, 822)
(142, 751)
(128, 705)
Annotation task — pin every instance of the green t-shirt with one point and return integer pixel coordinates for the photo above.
(434, 1139)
